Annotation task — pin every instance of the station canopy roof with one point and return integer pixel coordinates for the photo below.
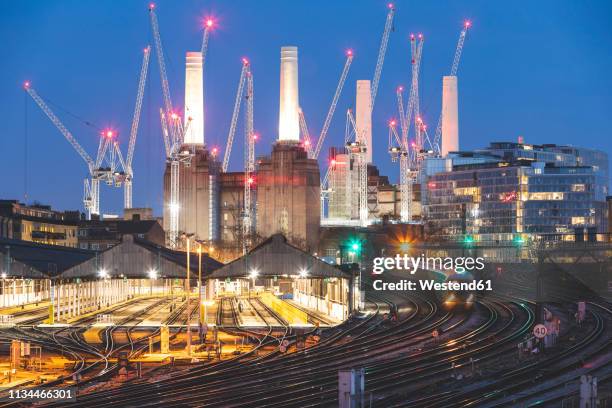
(276, 257)
(136, 258)
(31, 260)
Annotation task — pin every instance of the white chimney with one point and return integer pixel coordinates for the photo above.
(450, 115)
(363, 115)
(288, 119)
(194, 99)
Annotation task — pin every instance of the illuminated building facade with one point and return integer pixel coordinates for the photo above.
(512, 189)
(38, 223)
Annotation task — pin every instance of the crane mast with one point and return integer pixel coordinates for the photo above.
(127, 165)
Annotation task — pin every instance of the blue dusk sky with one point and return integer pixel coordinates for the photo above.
(538, 69)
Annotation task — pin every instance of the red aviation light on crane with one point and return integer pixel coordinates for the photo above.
(349, 52)
(411, 37)
(420, 36)
(306, 142)
(390, 6)
(467, 24)
(400, 89)
(245, 61)
(174, 116)
(26, 84)
(251, 181)
(151, 6)
(333, 162)
(255, 137)
(209, 23)
(392, 123)
(215, 151)
(108, 134)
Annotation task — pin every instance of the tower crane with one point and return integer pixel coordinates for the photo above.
(357, 149)
(236, 112)
(409, 155)
(244, 92)
(173, 129)
(127, 165)
(454, 67)
(104, 168)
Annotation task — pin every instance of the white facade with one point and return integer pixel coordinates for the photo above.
(363, 115)
(194, 98)
(450, 115)
(288, 119)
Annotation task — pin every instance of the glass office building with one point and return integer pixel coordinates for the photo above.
(512, 190)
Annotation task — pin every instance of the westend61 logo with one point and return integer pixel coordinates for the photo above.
(412, 264)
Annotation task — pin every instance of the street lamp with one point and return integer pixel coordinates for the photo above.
(201, 311)
(253, 273)
(103, 273)
(187, 237)
(152, 276)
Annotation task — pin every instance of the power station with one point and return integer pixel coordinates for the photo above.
(284, 191)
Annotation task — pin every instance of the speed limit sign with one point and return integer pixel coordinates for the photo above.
(539, 331)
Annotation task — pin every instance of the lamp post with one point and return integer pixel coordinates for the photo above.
(188, 289)
(200, 306)
(152, 277)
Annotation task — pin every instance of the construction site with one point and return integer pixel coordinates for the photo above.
(286, 190)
